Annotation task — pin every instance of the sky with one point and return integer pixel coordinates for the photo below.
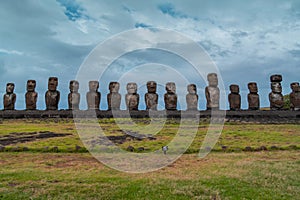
(247, 40)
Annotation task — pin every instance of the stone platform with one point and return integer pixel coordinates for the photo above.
(284, 116)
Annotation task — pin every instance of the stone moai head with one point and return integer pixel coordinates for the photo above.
(52, 83)
(131, 88)
(10, 88)
(235, 89)
(252, 87)
(74, 86)
(276, 87)
(151, 86)
(294, 86)
(212, 79)
(31, 84)
(114, 87)
(171, 88)
(93, 86)
(192, 89)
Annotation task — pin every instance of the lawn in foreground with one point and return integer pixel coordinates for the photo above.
(245, 175)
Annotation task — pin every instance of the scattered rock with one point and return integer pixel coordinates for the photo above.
(130, 148)
(141, 149)
(55, 149)
(248, 148)
(25, 149)
(77, 148)
(274, 147)
(224, 148)
(2, 148)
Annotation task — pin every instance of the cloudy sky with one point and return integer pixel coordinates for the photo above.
(248, 41)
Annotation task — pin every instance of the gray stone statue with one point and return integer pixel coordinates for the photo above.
(253, 97)
(170, 97)
(52, 96)
(114, 98)
(93, 96)
(276, 97)
(74, 96)
(212, 92)
(151, 98)
(295, 96)
(234, 97)
(192, 97)
(31, 96)
(9, 99)
(132, 99)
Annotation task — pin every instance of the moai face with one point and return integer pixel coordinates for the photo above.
(74, 86)
(192, 89)
(252, 87)
(93, 86)
(294, 86)
(151, 86)
(114, 87)
(212, 79)
(171, 88)
(31, 84)
(10, 88)
(276, 87)
(131, 88)
(235, 89)
(52, 83)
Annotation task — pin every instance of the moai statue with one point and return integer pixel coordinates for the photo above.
(253, 97)
(151, 98)
(192, 97)
(74, 96)
(276, 97)
(234, 97)
(52, 96)
(114, 97)
(132, 98)
(170, 97)
(212, 92)
(295, 96)
(93, 96)
(9, 99)
(31, 96)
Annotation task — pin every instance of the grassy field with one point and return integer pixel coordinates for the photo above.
(226, 173)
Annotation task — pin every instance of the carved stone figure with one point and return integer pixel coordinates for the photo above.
(234, 97)
(295, 96)
(114, 98)
(151, 98)
(192, 97)
(9, 99)
(212, 92)
(253, 97)
(52, 96)
(74, 96)
(170, 97)
(93, 96)
(276, 97)
(31, 96)
(132, 99)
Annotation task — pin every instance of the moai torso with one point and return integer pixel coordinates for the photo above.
(234, 98)
(52, 96)
(212, 92)
(276, 97)
(170, 97)
(253, 97)
(114, 98)
(31, 96)
(132, 98)
(9, 99)
(151, 98)
(74, 96)
(295, 96)
(93, 96)
(192, 97)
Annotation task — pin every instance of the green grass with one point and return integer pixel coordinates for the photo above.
(260, 175)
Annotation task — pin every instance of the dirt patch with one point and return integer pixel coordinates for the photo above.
(14, 138)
